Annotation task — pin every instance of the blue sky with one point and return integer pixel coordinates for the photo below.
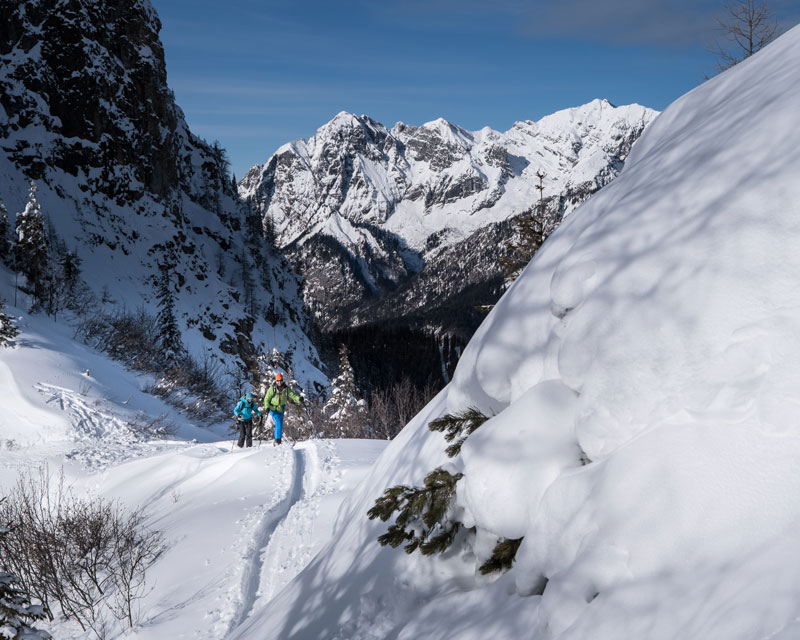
(255, 74)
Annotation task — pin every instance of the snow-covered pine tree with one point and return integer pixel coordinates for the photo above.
(344, 407)
(5, 245)
(31, 250)
(280, 361)
(8, 331)
(169, 335)
(17, 614)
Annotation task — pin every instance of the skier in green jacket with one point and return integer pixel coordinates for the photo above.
(275, 402)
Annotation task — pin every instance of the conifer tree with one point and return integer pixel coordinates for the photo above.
(31, 251)
(458, 427)
(344, 406)
(5, 245)
(17, 614)
(423, 516)
(269, 230)
(252, 222)
(502, 556)
(169, 334)
(8, 331)
(532, 229)
(70, 265)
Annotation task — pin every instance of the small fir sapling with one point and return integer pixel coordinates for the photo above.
(17, 613)
(344, 407)
(532, 228)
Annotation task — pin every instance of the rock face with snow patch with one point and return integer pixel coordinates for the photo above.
(87, 113)
(365, 212)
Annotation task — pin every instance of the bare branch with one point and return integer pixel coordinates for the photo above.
(747, 27)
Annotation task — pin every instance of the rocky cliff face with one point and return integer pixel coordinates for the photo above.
(92, 76)
(410, 221)
(85, 110)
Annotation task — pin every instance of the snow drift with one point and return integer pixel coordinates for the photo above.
(645, 373)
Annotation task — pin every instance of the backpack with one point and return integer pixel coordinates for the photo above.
(277, 392)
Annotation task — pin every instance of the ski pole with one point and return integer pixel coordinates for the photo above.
(233, 443)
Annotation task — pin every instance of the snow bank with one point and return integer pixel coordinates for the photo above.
(656, 334)
(527, 446)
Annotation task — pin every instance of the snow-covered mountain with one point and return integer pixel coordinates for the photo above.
(86, 112)
(383, 205)
(642, 374)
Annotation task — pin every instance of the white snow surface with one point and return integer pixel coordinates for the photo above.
(644, 377)
(240, 524)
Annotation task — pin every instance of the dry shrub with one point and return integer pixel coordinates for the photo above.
(81, 556)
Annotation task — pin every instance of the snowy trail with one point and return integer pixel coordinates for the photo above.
(251, 577)
(305, 523)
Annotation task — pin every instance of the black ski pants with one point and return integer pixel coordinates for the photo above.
(245, 432)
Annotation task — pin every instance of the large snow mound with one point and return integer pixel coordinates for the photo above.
(645, 375)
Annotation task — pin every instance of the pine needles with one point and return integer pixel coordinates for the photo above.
(502, 557)
(421, 521)
(458, 427)
(423, 515)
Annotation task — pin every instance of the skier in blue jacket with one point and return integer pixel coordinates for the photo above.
(244, 414)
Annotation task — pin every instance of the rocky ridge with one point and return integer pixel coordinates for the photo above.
(409, 221)
(85, 110)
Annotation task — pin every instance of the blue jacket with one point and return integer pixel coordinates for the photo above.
(246, 409)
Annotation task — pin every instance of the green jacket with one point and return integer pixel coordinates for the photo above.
(276, 398)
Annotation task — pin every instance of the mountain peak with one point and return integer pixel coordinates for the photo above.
(415, 193)
(344, 119)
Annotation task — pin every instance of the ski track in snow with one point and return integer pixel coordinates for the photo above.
(282, 560)
(251, 576)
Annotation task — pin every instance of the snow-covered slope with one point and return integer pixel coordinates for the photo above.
(383, 203)
(644, 375)
(86, 112)
(239, 524)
